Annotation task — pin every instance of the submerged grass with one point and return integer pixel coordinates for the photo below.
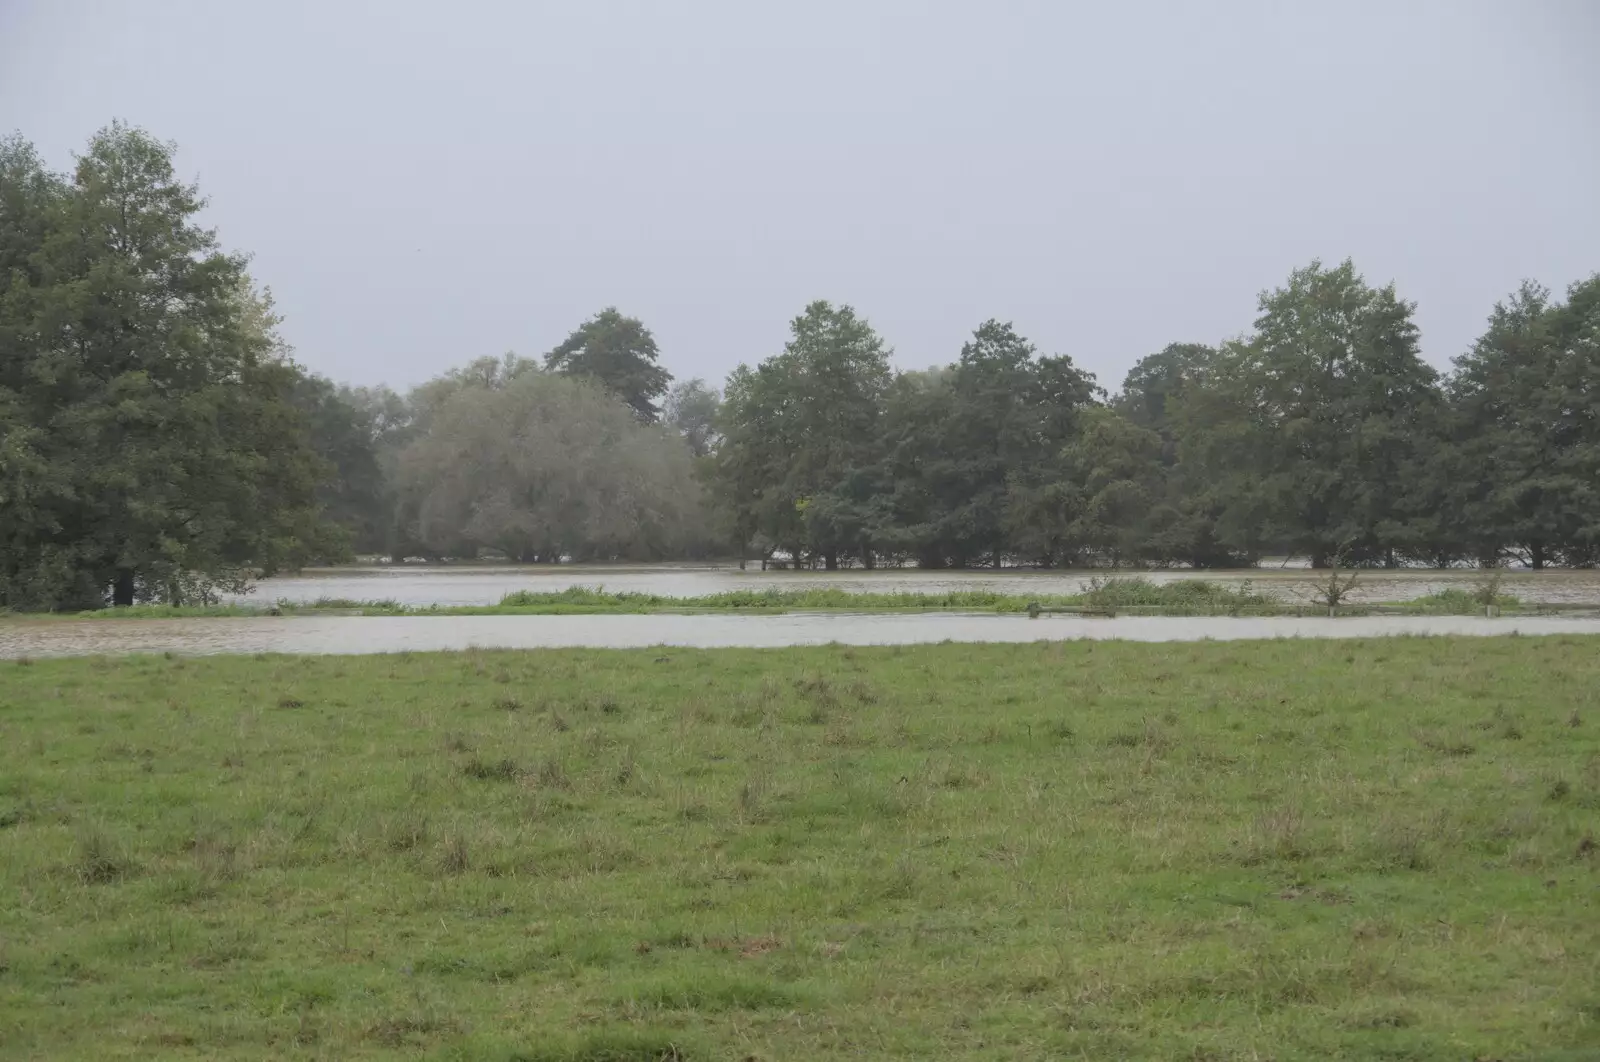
(1288, 850)
(1125, 594)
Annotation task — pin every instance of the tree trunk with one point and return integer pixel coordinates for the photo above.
(1536, 556)
(122, 589)
(868, 558)
(830, 560)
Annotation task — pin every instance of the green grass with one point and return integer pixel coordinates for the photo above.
(775, 600)
(1375, 849)
(1458, 601)
(1129, 594)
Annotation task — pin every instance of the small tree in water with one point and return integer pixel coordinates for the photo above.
(1333, 589)
(1486, 590)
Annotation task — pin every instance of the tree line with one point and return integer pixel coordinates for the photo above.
(1320, 433)
(158, 442)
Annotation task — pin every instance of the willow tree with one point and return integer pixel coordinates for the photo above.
(546, 467)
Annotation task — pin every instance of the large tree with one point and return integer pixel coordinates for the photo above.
(148, 444)
(1315, 419)
(803, 439)
(967, 445)
(1526, 404)
(620, 353)
(1173, 393)
(546, 467)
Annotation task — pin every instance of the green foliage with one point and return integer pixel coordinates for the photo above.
(1311, 435)
(692, 409)
(803, 436)
(820, 597)
(1295, 850)
(149, 446)
(1180, 597)
(1524, 475)
(973, 455)
(620, 353)
(344, 432)
(1460, 601)
(543, 466)
(158, 444)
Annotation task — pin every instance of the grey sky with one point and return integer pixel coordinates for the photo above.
(423, 183)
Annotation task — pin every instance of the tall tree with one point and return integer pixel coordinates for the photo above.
(804, 434)
(1526, 401)
(969, 445)
(149, 438)
(1315, 439)
(621, 354)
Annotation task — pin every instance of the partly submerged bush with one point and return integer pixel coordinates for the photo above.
(1460, 601)
(1183, 597)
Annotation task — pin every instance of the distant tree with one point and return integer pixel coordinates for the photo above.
(621, 354)
(691, 410)
(803, 438)
(148, 445)
(548, 467)
(1311, 426)
(1157, 383)
(1115, 467)
(970, 442)
(1526, 404)
(344, 432)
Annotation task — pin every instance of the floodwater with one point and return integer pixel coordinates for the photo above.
(384, 634)
(487, 584)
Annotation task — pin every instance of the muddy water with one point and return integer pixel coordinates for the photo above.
(416, 585)
(347, 635)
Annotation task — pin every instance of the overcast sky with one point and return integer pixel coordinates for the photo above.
(424, 183)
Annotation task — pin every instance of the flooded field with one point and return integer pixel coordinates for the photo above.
(362, 635)
(486, 585)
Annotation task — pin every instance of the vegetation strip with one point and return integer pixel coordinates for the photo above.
(1139, 596)
(1349, 849)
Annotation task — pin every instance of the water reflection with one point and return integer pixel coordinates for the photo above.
(345, 635)
(488, 584)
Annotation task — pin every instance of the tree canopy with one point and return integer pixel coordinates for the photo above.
(620, 353)
(149, 445)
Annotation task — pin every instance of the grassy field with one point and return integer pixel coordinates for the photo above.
(1134, 595)
(1285, 850)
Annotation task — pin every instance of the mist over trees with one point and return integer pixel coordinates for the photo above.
(158, 442)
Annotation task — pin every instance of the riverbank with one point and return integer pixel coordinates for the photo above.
(1295, 849)
(1129, 596)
